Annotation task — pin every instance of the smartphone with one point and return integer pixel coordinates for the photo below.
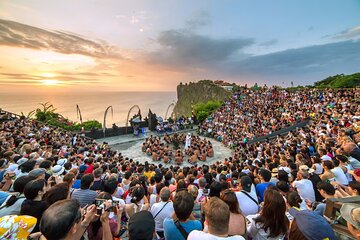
(206, 192)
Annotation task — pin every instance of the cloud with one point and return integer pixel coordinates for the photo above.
(16, 34)
(187, 49)
(33, 78)
(268, 43)
(197, 20)
(301, 63)
(351, 33)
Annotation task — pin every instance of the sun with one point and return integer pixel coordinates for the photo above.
(50, 82)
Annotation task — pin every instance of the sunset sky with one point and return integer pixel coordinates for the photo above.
(118, 45)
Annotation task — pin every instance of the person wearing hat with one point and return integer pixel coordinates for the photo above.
(38, 173)
(57, 170)
(247, 198)
(351, 213)
(141, 226)
(308, 225)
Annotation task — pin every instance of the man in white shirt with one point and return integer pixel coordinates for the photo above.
(247, 198)
(162, 210)
(217, 214)
(303, 185)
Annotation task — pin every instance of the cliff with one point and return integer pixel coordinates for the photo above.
(199, 92)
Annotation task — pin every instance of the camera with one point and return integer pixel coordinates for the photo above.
(100, 205)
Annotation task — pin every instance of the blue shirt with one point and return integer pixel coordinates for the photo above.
(260, 189)
(173, 233)
(77, 184)
(3, 197)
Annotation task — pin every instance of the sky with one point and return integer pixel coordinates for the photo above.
(119, 45)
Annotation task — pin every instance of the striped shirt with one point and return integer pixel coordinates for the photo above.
(84, 196)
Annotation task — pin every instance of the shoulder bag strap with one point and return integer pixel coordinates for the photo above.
(160, 210)
(250, 197)
(181, 229)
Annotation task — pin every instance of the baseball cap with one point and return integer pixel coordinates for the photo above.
(21, 161)
(312, 225)
(37, 172)
(351, 213)
(141, 226)
(305, 168)
(246, 183)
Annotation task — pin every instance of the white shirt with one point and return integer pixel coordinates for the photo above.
(199, 235)
(200, 194)
(326, 158)
(340, 176)
(247, 206)
(319, 168)
(165, 213)
(305, 189)
(257, 232)
(153, 198)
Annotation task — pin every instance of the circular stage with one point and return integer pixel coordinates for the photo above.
(220, 153)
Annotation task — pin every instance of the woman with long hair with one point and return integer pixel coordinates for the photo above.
(237, 222)
(271, 222)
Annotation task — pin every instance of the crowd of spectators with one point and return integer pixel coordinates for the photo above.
(250, 113)
(56, 185)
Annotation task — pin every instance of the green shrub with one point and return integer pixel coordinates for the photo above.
(47, 115)
(204, 110)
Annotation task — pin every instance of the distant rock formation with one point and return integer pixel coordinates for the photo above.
(199, 92)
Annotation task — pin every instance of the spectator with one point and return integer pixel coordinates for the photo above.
(98, 182)
(141, 226)
(56, 193)
(64, 220)
(237, 222)
(162, 210)
(182, 223)
(247, 198)
(308, 225)
(137, 196)
(271, 222)
(218, 217)
(12, 204)
(351, 213)
(327, 191)
(264, 176)
(84, 195)
(95, 230)
(303, 185)
(34, 205)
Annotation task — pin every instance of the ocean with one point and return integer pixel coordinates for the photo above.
(92, 105)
